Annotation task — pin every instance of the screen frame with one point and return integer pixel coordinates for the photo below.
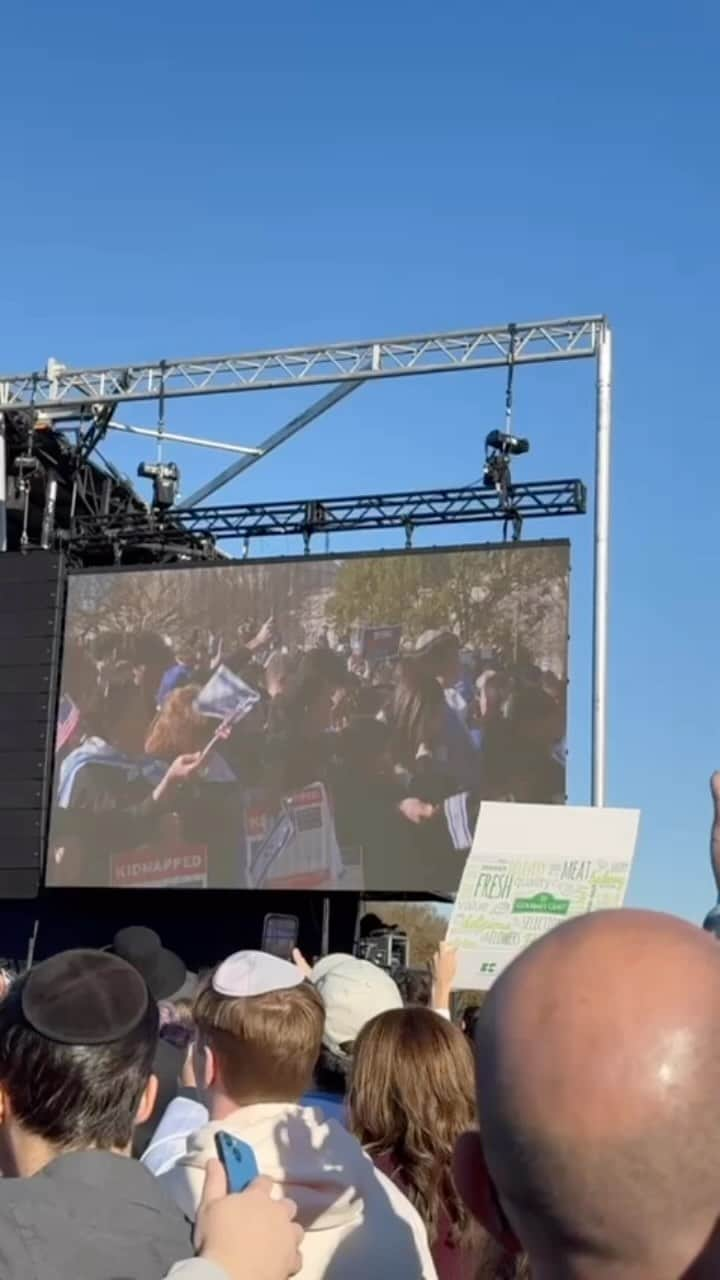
(238, 562)
(300, 558)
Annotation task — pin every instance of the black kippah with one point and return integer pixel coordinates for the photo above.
(84, 997)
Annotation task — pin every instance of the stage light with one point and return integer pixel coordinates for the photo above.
(508, 445)
(166, 482)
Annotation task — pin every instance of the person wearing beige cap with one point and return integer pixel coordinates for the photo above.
(353, 992)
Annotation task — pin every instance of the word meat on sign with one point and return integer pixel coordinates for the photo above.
(530, 868)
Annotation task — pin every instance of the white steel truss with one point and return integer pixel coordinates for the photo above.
(59, 387)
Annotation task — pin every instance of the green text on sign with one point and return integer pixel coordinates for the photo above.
(542, 904)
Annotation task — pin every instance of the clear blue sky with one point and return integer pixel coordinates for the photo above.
(182, 181)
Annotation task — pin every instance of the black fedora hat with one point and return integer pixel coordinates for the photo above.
(164, 972)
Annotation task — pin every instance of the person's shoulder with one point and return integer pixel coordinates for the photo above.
(18, 1207)
(331, 1105)
(14, 1191)
(96, 1176)
(402, 1215)
(392, 1189)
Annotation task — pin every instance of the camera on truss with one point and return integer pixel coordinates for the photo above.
(387, 948)
(166, 482)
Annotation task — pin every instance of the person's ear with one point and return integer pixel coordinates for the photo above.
(204, 1065)
(476, 1188)
(148, 1098)
(8, 1156)
(213, 1074)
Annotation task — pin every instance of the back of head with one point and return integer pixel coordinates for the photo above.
(437, 652)
(415, 717)
(185, 648)
(412, 1095)
(77, 1039)
(147, 649)
(353, 991)
(111, 701)
(164, 972)
(178, 727)
(599, 1095)
(263, 1026)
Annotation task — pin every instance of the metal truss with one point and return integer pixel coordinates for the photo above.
(408, 511)
(90, 397)
(83, 390)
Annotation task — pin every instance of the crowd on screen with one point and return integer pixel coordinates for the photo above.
(404, 743)
(276, 1117)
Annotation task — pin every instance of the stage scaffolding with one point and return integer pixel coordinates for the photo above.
(85, 402)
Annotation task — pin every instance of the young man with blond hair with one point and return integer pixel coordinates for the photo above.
(260, 1027)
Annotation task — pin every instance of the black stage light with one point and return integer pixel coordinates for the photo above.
(500, 442)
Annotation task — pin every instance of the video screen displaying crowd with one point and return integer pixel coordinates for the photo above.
(244, 758)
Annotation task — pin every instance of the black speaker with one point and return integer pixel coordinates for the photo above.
(31, 606)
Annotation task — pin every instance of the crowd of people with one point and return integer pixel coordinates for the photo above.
(202, 747)
(565, 1131)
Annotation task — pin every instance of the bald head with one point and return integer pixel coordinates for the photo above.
(598, 1055)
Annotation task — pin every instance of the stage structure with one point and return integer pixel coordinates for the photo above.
(56, 489)
(409, 511)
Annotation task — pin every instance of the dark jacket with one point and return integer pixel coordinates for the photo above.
(89, 1215)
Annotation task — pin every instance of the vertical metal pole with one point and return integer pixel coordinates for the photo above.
(3, 483)
(601, 567)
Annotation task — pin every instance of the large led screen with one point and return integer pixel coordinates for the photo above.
(326, 723)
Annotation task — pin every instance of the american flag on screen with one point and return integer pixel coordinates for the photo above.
(68, 721)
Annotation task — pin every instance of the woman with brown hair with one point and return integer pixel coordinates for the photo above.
(412, 1094)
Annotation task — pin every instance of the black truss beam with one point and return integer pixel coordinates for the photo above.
(412, 510)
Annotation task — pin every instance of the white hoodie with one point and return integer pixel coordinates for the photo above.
(358, 1225)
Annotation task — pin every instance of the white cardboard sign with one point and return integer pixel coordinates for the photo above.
(532, 866)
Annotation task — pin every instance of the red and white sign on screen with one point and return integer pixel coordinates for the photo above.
(295, 848)
(147, 869)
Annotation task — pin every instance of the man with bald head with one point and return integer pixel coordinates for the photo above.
(598, 1066)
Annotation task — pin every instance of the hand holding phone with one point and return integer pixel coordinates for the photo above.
(238, 1159)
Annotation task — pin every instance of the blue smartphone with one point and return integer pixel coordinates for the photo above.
(238, 1160)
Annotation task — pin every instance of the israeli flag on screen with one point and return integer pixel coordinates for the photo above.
(226, 696)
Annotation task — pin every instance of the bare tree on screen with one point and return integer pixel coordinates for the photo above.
(509, 601)
(126, 603)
